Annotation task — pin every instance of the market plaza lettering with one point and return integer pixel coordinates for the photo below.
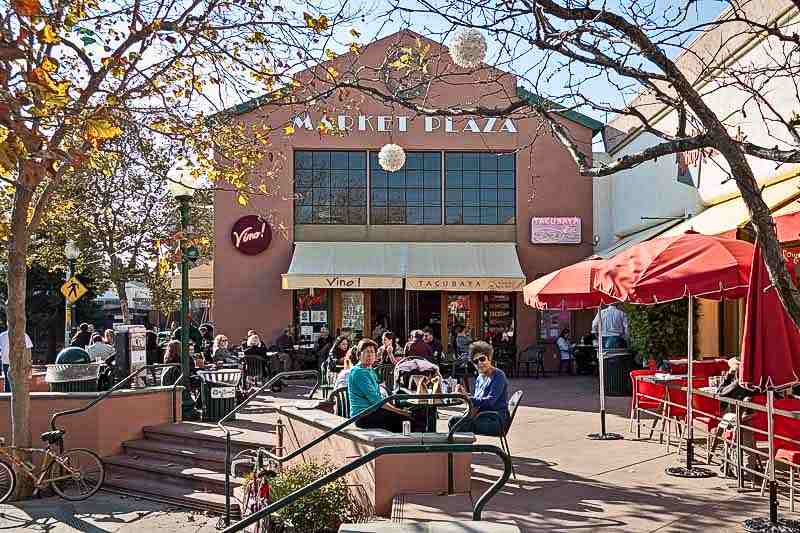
(388, 123)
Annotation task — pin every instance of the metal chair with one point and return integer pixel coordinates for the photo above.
(532, 355)
(341, 402)
(386, 376)
(256, 369)
(513, 405)
(326, 380)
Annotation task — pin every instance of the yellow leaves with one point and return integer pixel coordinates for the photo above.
(41, 78)
(330, 54)
(101, 129)
(3, 134)
(11, 150)
(242, 199)
(288, 130)
(317, 24)
(355, 33)
(355, 48)
(332, 73)
(27, 8)
(48, 35)
(50, 65)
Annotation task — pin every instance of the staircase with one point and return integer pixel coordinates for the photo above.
(181, 464)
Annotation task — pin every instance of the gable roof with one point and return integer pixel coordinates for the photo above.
(522, 93)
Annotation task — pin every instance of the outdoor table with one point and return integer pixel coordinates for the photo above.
(431, 409)
(667, 380)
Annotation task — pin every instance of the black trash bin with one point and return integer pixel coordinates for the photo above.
(73, 377)
(218, 392)
(617, 367)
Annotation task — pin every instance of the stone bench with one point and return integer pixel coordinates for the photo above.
(378, 482)
(429, 527)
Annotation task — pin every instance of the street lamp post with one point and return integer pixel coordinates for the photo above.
(181, 184)
(72, 252)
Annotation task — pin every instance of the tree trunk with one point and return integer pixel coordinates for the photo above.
(123, 301)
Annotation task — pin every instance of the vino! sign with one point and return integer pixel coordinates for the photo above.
(251, 235)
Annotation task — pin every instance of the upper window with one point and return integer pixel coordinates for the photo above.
(412, 195)
(330, 187)
(480, 188)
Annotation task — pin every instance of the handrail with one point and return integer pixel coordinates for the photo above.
(221, 424)
(477, 509)
(115, 388)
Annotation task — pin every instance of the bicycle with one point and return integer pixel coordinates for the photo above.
(74, 474)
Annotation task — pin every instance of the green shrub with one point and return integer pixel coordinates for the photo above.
(659, 330)
(321, 511)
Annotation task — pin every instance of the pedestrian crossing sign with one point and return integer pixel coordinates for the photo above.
(73, 290)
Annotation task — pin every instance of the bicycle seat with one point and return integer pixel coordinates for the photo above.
(51, 437)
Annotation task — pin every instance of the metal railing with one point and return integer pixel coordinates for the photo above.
(283, 458)
(477, 508)
(119, 385)
(221, 424)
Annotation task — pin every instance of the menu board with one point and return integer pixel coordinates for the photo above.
(312, 314)
(498, 315)
(353, 311)
(459, 312)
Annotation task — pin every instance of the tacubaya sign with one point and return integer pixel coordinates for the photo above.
(392, 123)
(251, 235)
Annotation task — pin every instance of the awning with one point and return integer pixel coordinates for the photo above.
(635, 238)
(449, 266)
(346, 265)
(724, 218)
(424, 266)
(201, 278)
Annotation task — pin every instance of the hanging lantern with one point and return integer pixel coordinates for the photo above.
(468, 48)
(392, 157)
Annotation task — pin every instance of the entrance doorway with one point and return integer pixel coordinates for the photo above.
(425, 310)
(388, 308)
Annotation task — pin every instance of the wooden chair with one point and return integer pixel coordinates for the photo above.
(341, 402)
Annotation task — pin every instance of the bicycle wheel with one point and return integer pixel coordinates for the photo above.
(78, 473)
(8, 481)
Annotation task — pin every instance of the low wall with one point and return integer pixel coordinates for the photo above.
(38, 383)
(102, 428)
(389, 475)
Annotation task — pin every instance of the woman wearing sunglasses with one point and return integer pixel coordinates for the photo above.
(491, 396)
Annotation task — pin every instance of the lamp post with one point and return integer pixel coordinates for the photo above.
(72, 252)
(181, 185)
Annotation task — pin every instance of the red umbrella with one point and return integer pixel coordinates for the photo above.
(771, 343)
(568, 288)
(671, 268)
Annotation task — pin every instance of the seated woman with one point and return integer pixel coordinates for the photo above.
(491, 394)
(363, 392)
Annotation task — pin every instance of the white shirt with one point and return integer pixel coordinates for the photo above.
(615, 322)
(5, 352)
(100, 350)
(564, 348)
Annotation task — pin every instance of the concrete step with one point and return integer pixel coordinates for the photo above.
(209, 436)
(176, 494)
(429, 527)
(211, 458)
(166, 471)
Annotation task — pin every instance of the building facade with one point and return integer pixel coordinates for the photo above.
(481, 206)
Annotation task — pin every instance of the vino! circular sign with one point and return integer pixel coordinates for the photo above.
(251, 235)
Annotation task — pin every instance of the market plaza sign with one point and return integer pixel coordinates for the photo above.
(400, 123)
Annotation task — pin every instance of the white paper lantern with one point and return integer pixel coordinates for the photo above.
(468, 48)
(392, 157)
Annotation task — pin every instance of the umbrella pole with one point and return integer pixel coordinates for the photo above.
(689, 470)
(774, 523)
(601, 372)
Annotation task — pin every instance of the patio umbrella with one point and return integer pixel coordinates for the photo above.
(570, 288)
(770, 361)
(670, 268)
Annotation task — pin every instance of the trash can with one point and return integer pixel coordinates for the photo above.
(617, 367)
(73, 377)
(218, 392)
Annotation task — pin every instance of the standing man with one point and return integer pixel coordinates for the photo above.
(615, 327)
(5, 353)
(83, 338)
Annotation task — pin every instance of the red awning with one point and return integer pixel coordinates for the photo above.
(671, 268)
(771, 342)
(787, 226)
(566, 288)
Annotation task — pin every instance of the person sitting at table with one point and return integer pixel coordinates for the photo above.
(462, 340)
(430, 340)
(338, 356)
(99, 350)
(730, 388)
(387, 353)
(363, 392)
(220, 351)
(417, 347)
(565, 350)
(322, 345)
(491, 395)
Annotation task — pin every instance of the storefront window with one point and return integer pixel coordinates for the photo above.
(480, 188)
(459, 313)
(498, 317)
(330, 187)
(412, 195)
(353, 312)
(552, 322)
(311, 314)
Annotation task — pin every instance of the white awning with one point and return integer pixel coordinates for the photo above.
(636, 238)
(424, 266)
